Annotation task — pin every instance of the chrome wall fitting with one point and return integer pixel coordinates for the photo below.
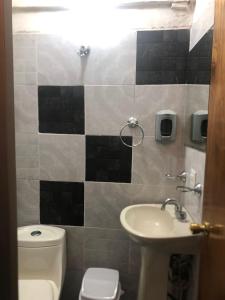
(182, 176)
(197, 189)
(132, 123)
(83, 51)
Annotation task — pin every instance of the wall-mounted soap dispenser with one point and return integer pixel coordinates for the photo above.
(165, 126)
(199, 126)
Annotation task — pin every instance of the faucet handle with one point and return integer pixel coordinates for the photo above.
(197, 189)
(182, 176)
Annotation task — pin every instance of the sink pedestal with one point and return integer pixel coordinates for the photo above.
(159, 234)
(153, 283)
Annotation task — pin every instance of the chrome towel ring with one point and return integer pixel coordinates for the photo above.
(132, 123)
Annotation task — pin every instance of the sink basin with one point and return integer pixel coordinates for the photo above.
(159, 235)
(147, 223)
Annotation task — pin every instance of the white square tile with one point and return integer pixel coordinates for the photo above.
(26, 108)
(24, 66)
(25, 59)
(107, 108)
(21, 40)
(114, 64)
(62, 157)
(151, 161)
(25, 78)
(28, 202)
(149, 99)
(58, 62)
(27, 156)
(195, 159)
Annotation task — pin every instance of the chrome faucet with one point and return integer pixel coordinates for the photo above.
(179, 213)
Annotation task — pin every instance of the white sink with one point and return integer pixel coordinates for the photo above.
(147, 223)
(159, 234)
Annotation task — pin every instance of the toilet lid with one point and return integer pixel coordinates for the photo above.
(100, 284)
(35, 290)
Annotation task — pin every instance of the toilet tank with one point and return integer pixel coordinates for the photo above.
(42, 253)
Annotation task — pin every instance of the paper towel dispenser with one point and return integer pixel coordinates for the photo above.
(199, 126)
(165, 126)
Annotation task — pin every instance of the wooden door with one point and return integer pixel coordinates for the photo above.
(212, 266)
(8, 245)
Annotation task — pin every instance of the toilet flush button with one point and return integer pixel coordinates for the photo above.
(36, 233)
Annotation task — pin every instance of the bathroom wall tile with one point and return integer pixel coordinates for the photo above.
(21, 40)
(59, 63)
(74, 246)
(95, 234)
(62, 203)
(149, 99)
(27, 156)
(94, 243)
(61, 109)
(25, 66)
(105, 201)
(195, 159)
(146, 193)
(28, 203)
(25, 55)
(99, 258)
(72, 285)
(25, 52)
(26, 108)
(151, 161)
(24, 46)
(161, 56)
(114, 64)
(28, 78)
(107, 108)
(100, 245)
(25, 59)
(107, 159)
(62, 157)
(129, 284)
(134, 258)
(199, 61)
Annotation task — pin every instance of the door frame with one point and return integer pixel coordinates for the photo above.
(212, 263)
(8, 222)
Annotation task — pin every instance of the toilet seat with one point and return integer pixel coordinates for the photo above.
(35, 290)
(100, 284)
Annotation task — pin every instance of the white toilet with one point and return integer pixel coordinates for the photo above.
(42, 263)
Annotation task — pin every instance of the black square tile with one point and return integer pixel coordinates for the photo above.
(62, 203)
(199, 61)
(107, 159)
(61, 109)
(154, 37)
(161, 56)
